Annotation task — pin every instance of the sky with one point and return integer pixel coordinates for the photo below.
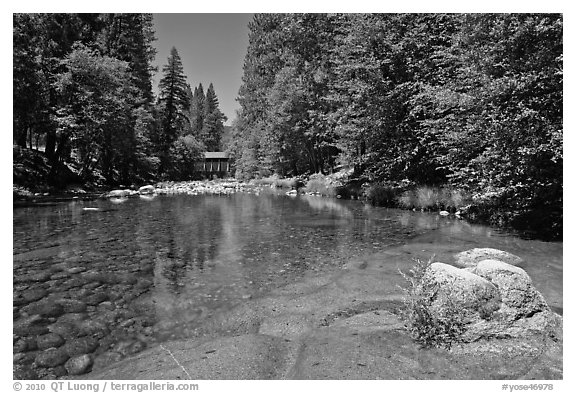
(212, 48)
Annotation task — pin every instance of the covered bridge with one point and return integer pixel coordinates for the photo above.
(215, 163)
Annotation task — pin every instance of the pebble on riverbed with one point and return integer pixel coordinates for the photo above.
(51, 357)
(50, 340)
(79, 364)
(80, 346)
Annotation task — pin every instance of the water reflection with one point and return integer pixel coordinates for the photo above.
(158, 268)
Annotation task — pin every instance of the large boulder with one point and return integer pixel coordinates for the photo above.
(475, 296)
(471, 257)
(491, 300)
(519, 296)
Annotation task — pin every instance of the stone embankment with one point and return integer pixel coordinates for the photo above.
(348, 325)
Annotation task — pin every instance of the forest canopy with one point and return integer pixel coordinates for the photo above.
(466, 101)
(83, 95)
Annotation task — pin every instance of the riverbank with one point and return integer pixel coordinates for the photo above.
(36, 182)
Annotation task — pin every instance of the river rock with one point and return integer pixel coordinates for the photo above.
(80, 346)
(67, 330)
(516, 289)
(19, 346)
(146, 190)
(106, 359)
(93, 328)
(72, 305)
(96, 298)
(34, 294)
(32, 277)
(51, 357)
(459, 288)
(30, 326)
(76, 269)
(471, 257)
(50, 340)
(118, 193)
(79, 364)
(44, 308)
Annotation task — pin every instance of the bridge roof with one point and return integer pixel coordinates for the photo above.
(215, 154)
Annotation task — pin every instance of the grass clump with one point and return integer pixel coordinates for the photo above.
(433, 198)
(430, 326)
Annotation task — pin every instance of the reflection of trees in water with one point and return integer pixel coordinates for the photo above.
(192, 239)
(327, 204)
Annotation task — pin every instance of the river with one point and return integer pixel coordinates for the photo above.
(127, 276)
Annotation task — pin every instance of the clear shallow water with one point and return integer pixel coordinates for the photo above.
(144, 271)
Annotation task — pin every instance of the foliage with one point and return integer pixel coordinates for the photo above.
(430, 327)
(320, 184)
(213, 124)
(427, 198)
(276, 182)
(184, 152)
(94, 115)
(173, 102)
(471, 102)
(381, 194)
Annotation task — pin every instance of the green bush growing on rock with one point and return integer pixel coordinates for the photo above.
(427, 326)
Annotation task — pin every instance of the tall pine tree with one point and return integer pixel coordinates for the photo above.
(173, 101)
(197, 111)
(129, 37)
(214, 119)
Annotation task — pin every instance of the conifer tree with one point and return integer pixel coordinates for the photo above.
(173, 101)
(213, 126)
(129, 37)
(197, 110)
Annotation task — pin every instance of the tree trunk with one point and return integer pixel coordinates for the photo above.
(21, 138)
(51, 144)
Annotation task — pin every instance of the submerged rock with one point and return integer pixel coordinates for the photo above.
(44, 308)
(80, 346)
(51, 357)
(72, 305)
(50, 340)
(79, 364)
(471, 257)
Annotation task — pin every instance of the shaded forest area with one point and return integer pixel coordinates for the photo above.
(468, 102)
(84, 109)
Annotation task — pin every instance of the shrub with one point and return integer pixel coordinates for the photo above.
(277, 182)
(380, 194)
(427, 197)
(318, 183)
(406, 200)
(427, 326)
